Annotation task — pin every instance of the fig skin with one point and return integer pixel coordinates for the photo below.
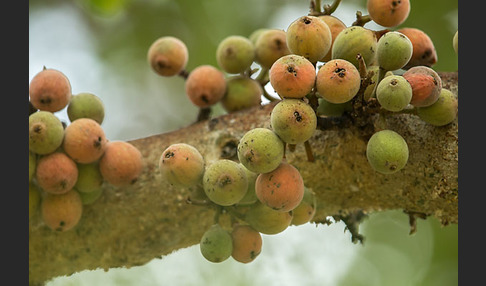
(235, 54)
(46, 132)
(121, 163)
(387, 152)
(260, 150)
(182, 165)
(352, 41)
(388, 13)
(426, 85)
(293, 120)
(62, 212)
(338, 81)
(335, 26)
(282, 189)
(270, 45)
(205, 86)
(424, 52)
(310, 37)
(50, 90)
(168, 56)
(84, 140)
(247, 243)
(441, 112)
(292, 76)
(56, 173)
(216, 244)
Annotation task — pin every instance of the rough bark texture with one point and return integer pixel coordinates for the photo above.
(130, 226)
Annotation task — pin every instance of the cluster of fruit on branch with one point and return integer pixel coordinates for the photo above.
(318, 67)
(69, 163)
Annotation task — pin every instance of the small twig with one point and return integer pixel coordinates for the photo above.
(268, 96)
(360, 19)
(329, 9)
(184, 74)
(412, 219)
(352, 222)
(234, 213)
(308, 151)
(204, 114)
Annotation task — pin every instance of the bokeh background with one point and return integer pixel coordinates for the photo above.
(101, 46)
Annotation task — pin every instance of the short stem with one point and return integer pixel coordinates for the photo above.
(234, 213)
(268, 96)
(204, 113)
(308, 151)
(381, 75)
(361, 20)
(329, 9)
(184, 74)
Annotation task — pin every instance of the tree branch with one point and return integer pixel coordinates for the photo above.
(129, 226)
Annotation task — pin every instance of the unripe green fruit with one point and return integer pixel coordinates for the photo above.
(310, 37)
(225, 182)
(86, 105)
(442, 112)
(46, 132)
(281, 189)
(455, 42)
(292, 76)
(50, 90)
(235, 54)
(241, 93)
(250, 196)
(306, 210)
(216, 244)
(62, 212)
(260, 150)
(91, 197)
(394, 93)
(388, 13)
(89, 178)
(352, 41)
(338, 81)
(182, 165)
(327, 108)
(168, 56)
(267, 220)
(270, 46)
(255, 34)
(205, 86)
(34, 199)
(32, 164)
(393, 50)
(426, 85)
(247, 243)
(293, 120)
(387, 152)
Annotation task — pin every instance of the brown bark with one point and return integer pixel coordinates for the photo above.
(129, 226)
